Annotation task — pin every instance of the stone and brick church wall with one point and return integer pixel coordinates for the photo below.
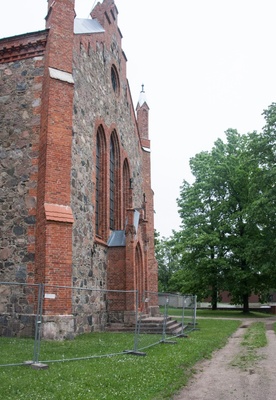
(29, 198)
(20, 93)
(95, 103)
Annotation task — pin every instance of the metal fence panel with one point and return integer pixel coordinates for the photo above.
(95, 316)
(43, 323)
(19, 307)
(181, 307)
(175, 317)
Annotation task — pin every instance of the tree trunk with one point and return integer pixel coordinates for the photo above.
(214, 300)
(245, 303)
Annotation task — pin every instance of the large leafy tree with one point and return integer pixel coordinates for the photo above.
(199, 242)
(227, 237)
(235, 164)
(262, 247)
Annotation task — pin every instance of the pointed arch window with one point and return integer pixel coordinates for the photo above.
(114, 183)
(100, 200)
(126, 190)
(115, 79)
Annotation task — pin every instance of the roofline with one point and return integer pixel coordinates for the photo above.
(23, 46)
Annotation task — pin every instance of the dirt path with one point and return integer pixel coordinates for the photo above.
(220, 379)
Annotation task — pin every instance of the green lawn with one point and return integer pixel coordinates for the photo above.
(208, 313)
(164, 370)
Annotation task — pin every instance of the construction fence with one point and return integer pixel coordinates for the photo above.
(88, 323)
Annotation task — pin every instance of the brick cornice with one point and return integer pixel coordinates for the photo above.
(23, 46)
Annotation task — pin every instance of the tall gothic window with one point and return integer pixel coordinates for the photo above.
(100, 202)
(126, 189)
(114, 183)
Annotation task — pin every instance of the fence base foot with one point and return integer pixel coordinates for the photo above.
(39, 366)
(135, 353)
(182, 335)
(28, 363)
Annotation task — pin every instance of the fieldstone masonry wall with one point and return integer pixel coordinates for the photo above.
(20, 92)
(95, 97)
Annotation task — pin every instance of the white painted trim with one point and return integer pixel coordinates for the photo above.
(61, 75)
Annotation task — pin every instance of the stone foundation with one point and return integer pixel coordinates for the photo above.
(122, 317)
(154, 311)
(86, 323)
(19, 325)
(129, 317)
(115, 317)
(57, 327)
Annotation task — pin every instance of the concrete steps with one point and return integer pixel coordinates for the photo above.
(150, 325)
(156, 325)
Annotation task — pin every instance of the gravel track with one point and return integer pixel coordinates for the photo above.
(222, 378)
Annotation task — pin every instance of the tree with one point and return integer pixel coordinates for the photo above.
(236, 166)
(228, 217)
(199, 241)
(262, 250)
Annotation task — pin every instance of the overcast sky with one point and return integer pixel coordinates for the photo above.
(207, 65)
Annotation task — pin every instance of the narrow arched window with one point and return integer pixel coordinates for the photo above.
(126, 190)
(100, 192)
(98, 185)
(114, 184)
(115, 79)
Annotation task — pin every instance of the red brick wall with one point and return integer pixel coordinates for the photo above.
(54, 237)
(225, 298)
(116, 279)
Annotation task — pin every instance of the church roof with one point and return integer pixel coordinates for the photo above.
(82, 26)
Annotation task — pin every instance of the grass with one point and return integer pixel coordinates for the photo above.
(208, 313)
(254, 338)
(161, 373)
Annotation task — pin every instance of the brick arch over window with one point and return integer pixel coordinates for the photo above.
(127, 195)
(100, 197)
(114, 184)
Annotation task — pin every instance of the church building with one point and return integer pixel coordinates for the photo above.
(76, 199)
